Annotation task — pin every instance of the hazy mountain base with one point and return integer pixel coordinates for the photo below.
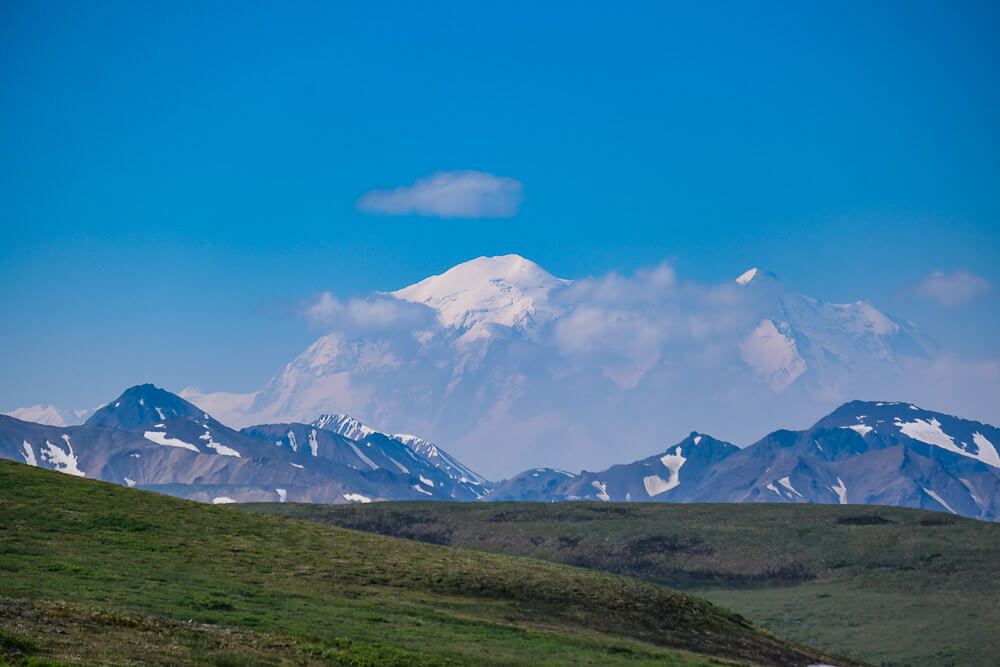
(175, 567)
(885, 585)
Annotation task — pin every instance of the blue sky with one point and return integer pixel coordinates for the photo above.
(176, 178)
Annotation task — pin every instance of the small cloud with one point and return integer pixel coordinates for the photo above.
(376, 313)
(449, 194)
(952, 289)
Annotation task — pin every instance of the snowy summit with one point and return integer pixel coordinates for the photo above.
(508, 290)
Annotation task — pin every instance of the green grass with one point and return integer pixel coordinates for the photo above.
(884, 585)
(93, 572)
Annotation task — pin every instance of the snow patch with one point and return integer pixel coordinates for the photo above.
(787, 483)
(417, 487)
(840, 490)
(860, 429)
(63, 461)
(313, 445)
(129, 482)
(655, 485)
(356, 498)
(162, 439)
(282, 495)
(602, 490)
(217, 446)
(163, 417)
(972, 492)
(403, 469)
(222, 500)
(296, 465)
(697, 439)
(987, 451)
(939, 499)
(29, 454)
(427, 482)
(362, 456)
(929, 432)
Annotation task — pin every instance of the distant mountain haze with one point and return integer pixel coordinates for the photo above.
(515, 368)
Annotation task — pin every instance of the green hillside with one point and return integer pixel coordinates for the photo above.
(93, 572)
(888, 586)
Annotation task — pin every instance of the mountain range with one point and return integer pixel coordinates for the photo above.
(152, 439)
(864, 453)
(513, 366)
(872, 453)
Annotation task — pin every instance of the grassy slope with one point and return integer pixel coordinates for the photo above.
(146, 578)
(884, 585)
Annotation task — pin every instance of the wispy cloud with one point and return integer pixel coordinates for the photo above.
(449, 194)
(633, 359)
(952, 289)
(375, 313)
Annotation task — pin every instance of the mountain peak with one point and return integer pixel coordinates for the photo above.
(344, 425)
(908, 422)
(49, 415)
(757, 276)
(143, 405)
(507, 289)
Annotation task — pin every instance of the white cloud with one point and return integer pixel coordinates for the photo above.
(626, 365)
(952, 289)
(376, 313)
(627, 325)
(449, 194)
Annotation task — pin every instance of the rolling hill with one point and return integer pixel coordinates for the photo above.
(887, 586)
(91, 572)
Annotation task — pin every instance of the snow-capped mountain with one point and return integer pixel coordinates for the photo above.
(50, 415)
(511, 364)
(886, 423)
(798, 335)
(375, 456)
(509, 290)
(871, 453)
(462, 475)
(168, 420)
(344, 425)
(152, 439)
(656, 478)
(864, 452)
